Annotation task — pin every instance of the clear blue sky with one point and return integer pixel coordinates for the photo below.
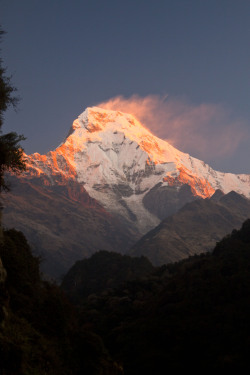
(66, 55)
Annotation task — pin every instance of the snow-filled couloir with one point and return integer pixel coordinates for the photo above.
(119, 162)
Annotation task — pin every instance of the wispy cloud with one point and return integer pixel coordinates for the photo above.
(207, 131)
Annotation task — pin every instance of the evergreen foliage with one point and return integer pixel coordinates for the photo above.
(11, 153)
(40, 331)
(104, 270)
(6, 90)
(193, 315)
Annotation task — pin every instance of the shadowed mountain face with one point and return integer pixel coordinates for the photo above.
(163, 201)
(194, 229)
(63, 223)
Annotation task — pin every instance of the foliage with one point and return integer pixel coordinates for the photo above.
(40, 332)
(190, 315)
(6, 90)
(11, 156)
(193, 314)
(11, 153)
(103, 270)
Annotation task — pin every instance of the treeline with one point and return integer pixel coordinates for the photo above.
(119, 315)
(194, 314)
(40, 331)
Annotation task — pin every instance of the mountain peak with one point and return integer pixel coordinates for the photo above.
(120, 163)
(97, 119)
(114, 128)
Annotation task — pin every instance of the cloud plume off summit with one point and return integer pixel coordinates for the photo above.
(206, 131)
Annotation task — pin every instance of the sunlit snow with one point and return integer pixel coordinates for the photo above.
(108, 149)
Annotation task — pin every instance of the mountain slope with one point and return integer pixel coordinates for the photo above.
(194, 229)
(120, 163)
(63, 223)
(191, 315)
(108, 183)
(104, 270)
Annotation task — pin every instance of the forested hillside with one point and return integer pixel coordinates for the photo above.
(192, 315)
(40, 331)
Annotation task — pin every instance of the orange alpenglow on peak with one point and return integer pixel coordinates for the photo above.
(112, 148)
(199, 186)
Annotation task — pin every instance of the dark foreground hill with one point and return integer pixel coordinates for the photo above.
(103, 271)
(194, 229)
(192, 315)
(40, 331)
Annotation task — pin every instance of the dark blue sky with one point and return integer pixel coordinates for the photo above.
(66, 55)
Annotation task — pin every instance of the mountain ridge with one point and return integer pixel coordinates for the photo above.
(114, 180)
(194, 229)
(110, 153)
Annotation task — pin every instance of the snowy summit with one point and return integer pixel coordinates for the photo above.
(121, 163)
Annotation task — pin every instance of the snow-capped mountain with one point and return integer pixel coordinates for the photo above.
(106, 185)
(128, 170)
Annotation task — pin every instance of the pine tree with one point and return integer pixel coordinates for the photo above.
(11, 153)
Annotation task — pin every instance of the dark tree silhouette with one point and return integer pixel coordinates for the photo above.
(11, 153)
